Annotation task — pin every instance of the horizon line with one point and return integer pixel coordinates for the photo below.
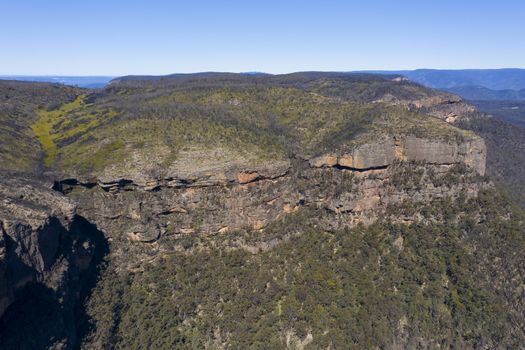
(251, 72)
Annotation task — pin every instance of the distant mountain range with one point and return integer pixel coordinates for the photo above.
(482, 93)
(493, 79)
(499, 92)
(471, 84)
(90, 82)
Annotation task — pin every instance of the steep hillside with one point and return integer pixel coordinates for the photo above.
(452, 282)
(307, 210)
(506, 152)
(48, 264)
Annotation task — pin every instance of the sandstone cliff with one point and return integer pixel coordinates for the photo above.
(382, 153)
(353, 187)
(44, 246)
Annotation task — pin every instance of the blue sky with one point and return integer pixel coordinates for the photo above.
(117, 37)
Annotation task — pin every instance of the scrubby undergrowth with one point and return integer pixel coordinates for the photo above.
(422, 285)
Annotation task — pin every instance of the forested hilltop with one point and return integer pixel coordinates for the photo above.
(154, 122)
(250, 211)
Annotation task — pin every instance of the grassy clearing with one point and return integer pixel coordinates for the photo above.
(59, 125)
(44, 128)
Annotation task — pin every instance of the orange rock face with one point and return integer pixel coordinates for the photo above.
(347, 161)
(288, 208)
(328, 160)
(246, 177)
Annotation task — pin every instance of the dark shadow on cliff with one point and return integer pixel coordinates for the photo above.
(36, 320)
(89, 277)
(42, 317)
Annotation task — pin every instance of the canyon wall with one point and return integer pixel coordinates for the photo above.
(46, 255)
(352, 187)
(383, 153)
(41, 242)
(33, 223)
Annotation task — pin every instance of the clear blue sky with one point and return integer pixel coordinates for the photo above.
(117, 37)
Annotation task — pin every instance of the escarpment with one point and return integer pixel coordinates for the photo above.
(352, 187)
(33, 222)
(178, 178)
(234, 166)
(46, 254)
(471, 152)
(214, 154)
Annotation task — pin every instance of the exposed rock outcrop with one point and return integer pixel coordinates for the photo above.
(197, 176)
(383, 153)
(32, 219)
(442, 105)
(352, 187)
(369, 156)
(149, 176)
(44, 246)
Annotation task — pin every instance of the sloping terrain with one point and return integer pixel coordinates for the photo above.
(146, 128)
(304, 211)
(48, 265)
(453, 282)
(506, 152)
(20, 103)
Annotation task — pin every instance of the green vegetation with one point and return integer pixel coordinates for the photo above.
(70, 120)
(251, 121)
(148, 125)
(505, 153)
(429, 285)
(44, 127)
(19, 101)
(452, 280)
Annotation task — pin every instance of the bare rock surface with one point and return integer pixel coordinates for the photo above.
(44, 247)
(32, 220)
(384, 152)
(353, 187)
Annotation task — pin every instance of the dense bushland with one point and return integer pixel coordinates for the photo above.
(452, 284)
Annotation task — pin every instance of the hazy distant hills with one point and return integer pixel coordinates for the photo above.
(472, 84)
(494, 79)
(510, 111)
(90, 82)
(475, 84)
(482, 93)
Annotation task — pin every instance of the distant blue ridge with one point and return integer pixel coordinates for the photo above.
(492, 84)
(90, 82)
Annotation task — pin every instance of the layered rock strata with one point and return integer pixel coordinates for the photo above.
(353, 187)
(383, 153)
(46, 253)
